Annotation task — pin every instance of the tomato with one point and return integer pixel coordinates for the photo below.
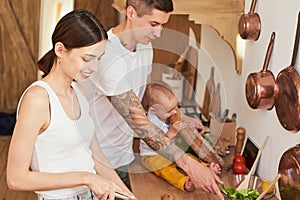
(239, 168)
(239, 159)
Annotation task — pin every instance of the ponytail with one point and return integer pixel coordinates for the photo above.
(78, 28)
(46, 62)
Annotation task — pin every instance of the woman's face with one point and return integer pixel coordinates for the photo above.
(80, 63)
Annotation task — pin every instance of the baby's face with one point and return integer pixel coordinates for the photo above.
(166, 108)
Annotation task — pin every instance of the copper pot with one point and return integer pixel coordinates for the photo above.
(289, 168)
(260, 86)
(249, 24)
(287, 92)
(290, 158)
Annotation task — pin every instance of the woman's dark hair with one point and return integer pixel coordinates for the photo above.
(78, 28)
(144, 7)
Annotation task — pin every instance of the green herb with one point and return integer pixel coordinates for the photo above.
(246, 194)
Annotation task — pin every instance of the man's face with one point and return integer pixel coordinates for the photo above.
(148, 27)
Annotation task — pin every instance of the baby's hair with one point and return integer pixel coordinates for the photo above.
(153, 93)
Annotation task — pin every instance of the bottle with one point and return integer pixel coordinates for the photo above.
(240, 137)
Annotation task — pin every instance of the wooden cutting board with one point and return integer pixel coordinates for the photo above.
(216, 102)
(208, 95)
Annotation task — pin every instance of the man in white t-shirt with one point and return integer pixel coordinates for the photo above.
(121, 70)
(116, 90)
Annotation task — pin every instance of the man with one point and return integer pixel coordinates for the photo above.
(116, 90)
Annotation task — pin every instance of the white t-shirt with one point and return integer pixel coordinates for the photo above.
(120, 71)
(64, 145)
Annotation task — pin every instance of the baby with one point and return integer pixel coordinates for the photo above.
(161, 105)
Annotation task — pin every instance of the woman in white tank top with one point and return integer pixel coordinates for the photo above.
(53, 150)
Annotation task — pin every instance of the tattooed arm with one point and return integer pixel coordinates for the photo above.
(130, 108)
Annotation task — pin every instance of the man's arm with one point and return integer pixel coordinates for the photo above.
(203, 149)
(130, 108)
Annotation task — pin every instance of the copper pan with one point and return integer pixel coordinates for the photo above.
(287, 92)
(249, 24)
(260, 86)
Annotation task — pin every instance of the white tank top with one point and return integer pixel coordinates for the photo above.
(64, 145)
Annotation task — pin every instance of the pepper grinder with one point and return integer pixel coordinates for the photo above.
(240, 137)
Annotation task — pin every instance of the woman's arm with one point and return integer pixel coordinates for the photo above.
(33, 118)
(104, 168)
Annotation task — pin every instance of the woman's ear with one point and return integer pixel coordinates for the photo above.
(59, 49)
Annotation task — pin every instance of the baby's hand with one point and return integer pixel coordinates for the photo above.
(197, 124)
(175, 128)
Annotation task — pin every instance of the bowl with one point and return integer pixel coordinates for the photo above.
(233, 180)
(289, 184)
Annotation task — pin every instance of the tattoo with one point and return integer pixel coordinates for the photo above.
(130, 108)
(200, 146)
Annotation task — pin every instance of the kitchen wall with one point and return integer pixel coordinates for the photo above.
(280, 17)
(51, 12)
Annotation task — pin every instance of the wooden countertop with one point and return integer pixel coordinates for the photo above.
(147, 186)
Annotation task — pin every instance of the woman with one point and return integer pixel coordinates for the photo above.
(53, 149)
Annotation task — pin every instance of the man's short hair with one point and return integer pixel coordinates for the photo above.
(144, 7)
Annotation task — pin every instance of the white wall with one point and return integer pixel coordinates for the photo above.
(280, 17)
(51, 12)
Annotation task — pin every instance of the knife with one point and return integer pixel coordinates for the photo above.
(123, 197)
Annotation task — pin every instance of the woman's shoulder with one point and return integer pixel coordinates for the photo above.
(36, 95)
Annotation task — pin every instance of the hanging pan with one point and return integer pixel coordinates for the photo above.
(260, 86)
(249, 24)
(287, 92)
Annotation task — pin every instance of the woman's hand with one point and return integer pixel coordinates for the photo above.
(103, 188)
(106, 172)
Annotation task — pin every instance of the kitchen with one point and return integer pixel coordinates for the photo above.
(276, 16)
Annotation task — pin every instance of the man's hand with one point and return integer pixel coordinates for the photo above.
(201, 176)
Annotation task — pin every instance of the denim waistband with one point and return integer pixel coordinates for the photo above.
(85, 195)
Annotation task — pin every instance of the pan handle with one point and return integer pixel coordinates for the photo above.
(295, 51)
(269, 52)
(253, 4)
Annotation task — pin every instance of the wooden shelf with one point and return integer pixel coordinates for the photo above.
(222, 15)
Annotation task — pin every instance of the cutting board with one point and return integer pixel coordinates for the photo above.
(208, 95)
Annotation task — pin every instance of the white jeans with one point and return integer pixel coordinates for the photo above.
(85, 195)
